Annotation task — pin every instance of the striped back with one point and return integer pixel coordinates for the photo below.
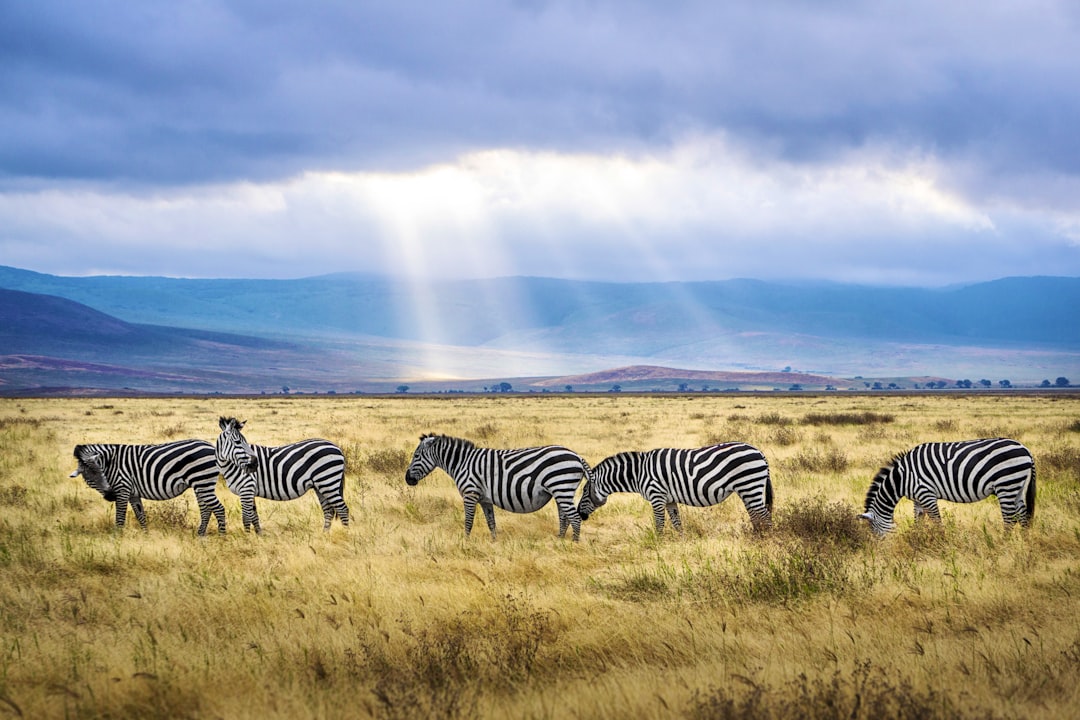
(152, 472)
(283, 472)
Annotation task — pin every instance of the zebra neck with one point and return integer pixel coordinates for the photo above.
(453, 460)
(625, 477)
(884, 494)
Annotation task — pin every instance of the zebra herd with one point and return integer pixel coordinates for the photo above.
(525, 480)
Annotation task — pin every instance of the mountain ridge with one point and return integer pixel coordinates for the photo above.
(346, 330)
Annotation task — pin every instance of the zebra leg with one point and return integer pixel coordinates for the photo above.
(219, 511)
(342, 511)
(210, 505)
(470, 511)
(568, 515)
(121, 510)
(489, 515)
(658, 508)
(757, 508)
(1012, 509)
(250, 514)
(676, 522)
(927, 505)
(140, 513)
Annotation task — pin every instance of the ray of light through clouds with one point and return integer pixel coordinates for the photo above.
(918, 143)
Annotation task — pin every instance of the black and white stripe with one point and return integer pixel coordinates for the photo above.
(965, 471)
(129, 474)
(700, 477)
(521, 481)
(281, 473)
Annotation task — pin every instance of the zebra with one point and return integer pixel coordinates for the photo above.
(281, 473)
(699, 477)
(963, 471)
(519, 480)
(128, 474)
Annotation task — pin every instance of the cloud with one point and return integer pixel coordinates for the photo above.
(918, 141)
(701, 210)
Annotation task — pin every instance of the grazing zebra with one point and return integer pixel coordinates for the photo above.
(964, 471)
(281, 473)
(699, 477)
(521, 481)
(129, 474)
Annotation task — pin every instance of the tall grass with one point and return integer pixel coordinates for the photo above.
(400, 616)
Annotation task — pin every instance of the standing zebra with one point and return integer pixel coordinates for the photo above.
(281, 473)
(964, 471)
(521, 481)
(128, 474)
(699, 477)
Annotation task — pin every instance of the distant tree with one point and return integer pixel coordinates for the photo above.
(1005, 383)
(569, 388)
(963, 383)
(403, 388)
(894, 386)
(986, 383)
(505, 387)
(683, 387)
(866, 384)
(285, 389)
(796, 387)
(704, 388)
(616, 388)
(787, 368)
(1044, 383)
(829, 388)
(1062, 382)
(878, 386)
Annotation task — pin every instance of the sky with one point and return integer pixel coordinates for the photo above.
(906, 142)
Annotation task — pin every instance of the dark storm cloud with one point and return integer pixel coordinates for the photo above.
(162, 92)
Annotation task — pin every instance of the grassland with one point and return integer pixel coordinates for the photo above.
(401, 616)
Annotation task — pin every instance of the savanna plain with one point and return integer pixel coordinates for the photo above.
(400, 616)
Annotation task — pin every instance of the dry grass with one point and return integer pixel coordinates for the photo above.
(399, 616)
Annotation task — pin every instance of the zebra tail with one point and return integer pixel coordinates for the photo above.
(588, 470)
(768, 492)
(1029, 496)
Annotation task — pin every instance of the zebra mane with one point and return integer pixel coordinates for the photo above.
(224, 422)
(461, 441)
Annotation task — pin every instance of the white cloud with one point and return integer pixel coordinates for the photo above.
(703, 209)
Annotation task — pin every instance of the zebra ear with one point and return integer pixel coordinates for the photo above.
(222, 423)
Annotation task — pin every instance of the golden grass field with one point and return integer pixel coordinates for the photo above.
(400, 615)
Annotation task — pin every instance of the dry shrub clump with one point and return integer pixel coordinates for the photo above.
(441, 670)
(819, 521)
(1061, 458)
(388, 461)
(175, 513)
(865, 692)
(848, 418)
(816, 460)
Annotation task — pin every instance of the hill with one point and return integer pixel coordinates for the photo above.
(344, 332)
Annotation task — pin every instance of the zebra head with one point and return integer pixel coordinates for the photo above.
(92, 467)
(592, 495)
(424, 460)
(589, 500)
(233, 448)
(878, 510)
